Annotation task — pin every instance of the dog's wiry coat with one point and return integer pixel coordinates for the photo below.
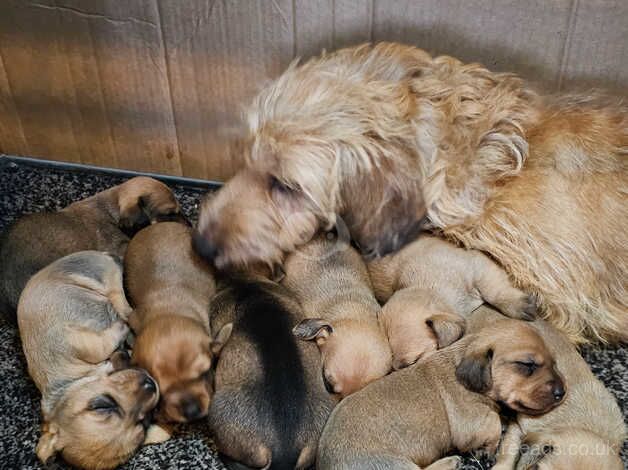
(392, 140)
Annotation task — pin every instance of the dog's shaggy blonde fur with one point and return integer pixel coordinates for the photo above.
(393, 140)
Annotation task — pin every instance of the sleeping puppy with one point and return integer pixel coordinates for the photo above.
(101, 222)
(430, 287)
(270, 403)
(332, 284)
(70, 315)
(585, 432)
(445, 402)
(170, 288)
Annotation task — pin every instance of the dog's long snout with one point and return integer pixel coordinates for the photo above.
(204, 247)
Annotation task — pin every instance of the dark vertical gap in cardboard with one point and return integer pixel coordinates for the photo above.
(294, 29)
(169, 82)
(372, 25)
(567, 44)
(333, 25)
(104, 95)
(25, 146)
(62, 51)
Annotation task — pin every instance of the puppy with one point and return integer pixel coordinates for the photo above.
(170, 288)
(586, 431)
(70, 318)
(332, 284)
(436, 285)
(270, 403)
(101, 222)
(445, 402)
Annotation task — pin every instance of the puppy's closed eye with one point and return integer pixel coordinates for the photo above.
(103, 404)
(527, 368)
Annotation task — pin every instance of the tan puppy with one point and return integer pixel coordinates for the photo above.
(434, 286)
(270, 404)
(585, 432)
(170, 288)
(71, 321)
(392, 140)
(413, 417)
(102, 222)
(332, 284)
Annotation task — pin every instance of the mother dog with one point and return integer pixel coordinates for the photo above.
(394, 141)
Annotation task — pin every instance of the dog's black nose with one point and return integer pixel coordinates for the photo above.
(204, 247)
(148, 384)
(191, 409)
(558, 391)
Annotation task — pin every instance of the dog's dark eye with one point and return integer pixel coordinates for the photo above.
(527, 367)
(279, 186)
(103, 404)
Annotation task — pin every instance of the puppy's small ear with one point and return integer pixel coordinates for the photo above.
(534, 448)
(221, 339)
(474, 371)
(447, 328)
(313, 329)
(49, 442)
(120, 359)
(277, 273)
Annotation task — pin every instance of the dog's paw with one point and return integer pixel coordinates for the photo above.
(525, 307)
(447, 463)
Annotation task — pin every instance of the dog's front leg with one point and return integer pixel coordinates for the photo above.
(495, 287)
(509, 448)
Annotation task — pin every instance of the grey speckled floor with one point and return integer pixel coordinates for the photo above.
(25, 189)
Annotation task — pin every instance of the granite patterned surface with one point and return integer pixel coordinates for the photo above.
(25, 189)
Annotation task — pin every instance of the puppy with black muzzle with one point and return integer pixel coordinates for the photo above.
(332, 284)
(170, 288)
(270, 404)
(102, 222)
(430, 286)
(71, 321)
(585, 432)
(447, 401)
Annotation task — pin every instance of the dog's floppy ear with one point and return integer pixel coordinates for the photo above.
(120, 359)
(534, 448)
(49, 442)
(447, 328)
(221, 339)
(474, 371)
(313, 329)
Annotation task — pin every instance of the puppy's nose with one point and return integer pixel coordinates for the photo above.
(558, 391)
(191, 409)
(205, 248)
(148, 384)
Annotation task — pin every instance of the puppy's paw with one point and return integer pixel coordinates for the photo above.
(447, 463)
(156, 434)
(525, 307)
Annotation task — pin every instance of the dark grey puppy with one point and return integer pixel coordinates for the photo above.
(102, 222)
(270, 403)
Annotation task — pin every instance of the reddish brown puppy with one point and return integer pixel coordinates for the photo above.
(170, 288)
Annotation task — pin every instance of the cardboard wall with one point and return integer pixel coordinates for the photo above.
(158, 85)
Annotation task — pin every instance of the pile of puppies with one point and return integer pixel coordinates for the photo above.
(291, 369)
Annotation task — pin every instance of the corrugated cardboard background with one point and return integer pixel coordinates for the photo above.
(158, 85)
